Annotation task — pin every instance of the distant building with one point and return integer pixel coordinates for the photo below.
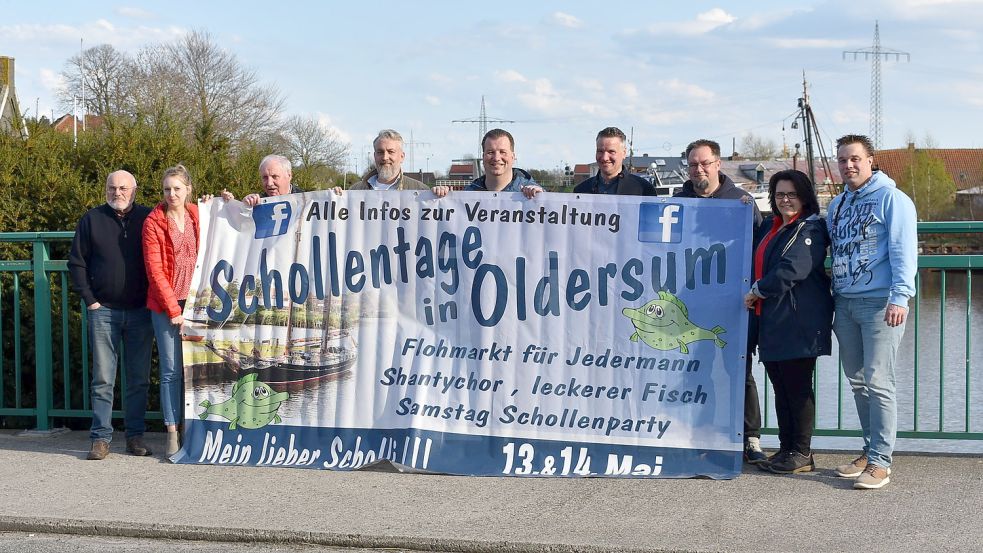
(461, 173)
(426, 177)
(66, 123)
(964, 165)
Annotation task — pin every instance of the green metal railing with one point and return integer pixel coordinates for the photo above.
(40, 400)
(49, 278)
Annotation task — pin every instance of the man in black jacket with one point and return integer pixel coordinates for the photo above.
(106, 265)
(612, 177)
(706, 181)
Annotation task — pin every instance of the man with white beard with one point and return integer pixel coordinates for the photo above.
(388, 172)
(107, 269)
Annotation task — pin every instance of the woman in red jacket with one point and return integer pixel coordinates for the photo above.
(170, 247)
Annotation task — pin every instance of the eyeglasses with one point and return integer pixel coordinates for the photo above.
(779, 196)
(119, 189)
(704, 164)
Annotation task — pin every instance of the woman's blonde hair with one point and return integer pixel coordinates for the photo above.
(179, 172)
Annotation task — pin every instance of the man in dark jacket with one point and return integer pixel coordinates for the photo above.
(106, 265)
(706, 181)
(611, 177)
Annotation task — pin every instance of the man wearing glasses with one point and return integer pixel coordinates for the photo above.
(107, 269)
(706, 181)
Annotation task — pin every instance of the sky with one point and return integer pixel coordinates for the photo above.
(666, 73)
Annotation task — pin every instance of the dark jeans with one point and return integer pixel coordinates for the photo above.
(795, 402)
(752, 409)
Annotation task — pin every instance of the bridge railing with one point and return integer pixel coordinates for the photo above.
(45, 363)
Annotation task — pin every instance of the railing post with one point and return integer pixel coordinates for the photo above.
(42, 335)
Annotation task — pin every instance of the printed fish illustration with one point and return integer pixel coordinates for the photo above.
(253, 404)
(664, 324)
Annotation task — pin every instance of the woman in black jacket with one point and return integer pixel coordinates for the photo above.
(791, 295)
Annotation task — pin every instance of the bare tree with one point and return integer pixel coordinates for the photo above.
(310, 144)
(108, 77)
(756, 147)
(197, 79)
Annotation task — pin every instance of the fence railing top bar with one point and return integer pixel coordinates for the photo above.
(945, 227)
(57, 236)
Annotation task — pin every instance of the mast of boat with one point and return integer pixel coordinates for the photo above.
(290, 306)
(810, 131)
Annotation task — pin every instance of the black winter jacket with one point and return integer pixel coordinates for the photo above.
(797, 310)
(106, 261)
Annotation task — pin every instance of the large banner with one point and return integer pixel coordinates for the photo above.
(481, 333)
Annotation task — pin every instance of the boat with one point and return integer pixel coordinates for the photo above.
(301, 363)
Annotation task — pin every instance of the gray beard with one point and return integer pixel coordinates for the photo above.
(387, 173)
(701, 185)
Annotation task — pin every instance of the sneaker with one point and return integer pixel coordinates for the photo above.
(99, 450)
(753, 453)
(773, 458)
(135, 446)
(793, 463)
(854, 468)
(872, 478)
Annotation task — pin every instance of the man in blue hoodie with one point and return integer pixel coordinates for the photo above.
(497, 158)
(873, 231)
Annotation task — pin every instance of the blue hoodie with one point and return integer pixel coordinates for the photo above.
(874, 242)
(520, 178)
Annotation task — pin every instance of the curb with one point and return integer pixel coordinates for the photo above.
(288, 537)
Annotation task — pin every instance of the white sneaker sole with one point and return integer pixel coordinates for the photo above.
(881, 484)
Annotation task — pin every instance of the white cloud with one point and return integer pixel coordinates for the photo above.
(969, 93)
(432, 100)
(51, 80)
(100, 31)
(324, 120)
(510, 76)
(704, 23)
(687, 90)
(808, 43)
(135, 13)
(440, 78)
(593, 85)
(566, 20)
(628, 90)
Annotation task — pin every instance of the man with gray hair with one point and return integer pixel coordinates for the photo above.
(387, 150)
(276, 173)
(107, 270)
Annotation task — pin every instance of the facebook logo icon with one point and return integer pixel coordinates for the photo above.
(271, 219)
(660, 223)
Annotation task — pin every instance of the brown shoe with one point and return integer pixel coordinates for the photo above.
(872, 478)
(135, 446)
(854, 468)
(99, 450)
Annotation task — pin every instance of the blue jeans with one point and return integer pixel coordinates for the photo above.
(868, 348)
(171, 362)
(107, 327)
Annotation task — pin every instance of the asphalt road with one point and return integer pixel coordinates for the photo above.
(934, 503)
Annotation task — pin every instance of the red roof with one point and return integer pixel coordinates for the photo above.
(581, 169)
(465, 169)
(65, 123)
(965, 165)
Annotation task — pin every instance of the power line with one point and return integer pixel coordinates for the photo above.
(874, 54)
(482, 120)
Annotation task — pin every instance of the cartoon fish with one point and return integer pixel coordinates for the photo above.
(253, 404)
(664, 324)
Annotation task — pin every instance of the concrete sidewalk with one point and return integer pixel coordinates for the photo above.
(933, 503)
